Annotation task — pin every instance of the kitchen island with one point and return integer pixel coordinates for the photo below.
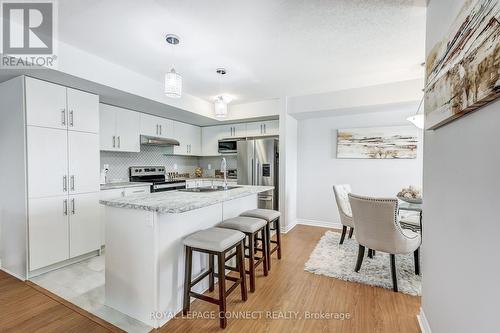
(144, 251)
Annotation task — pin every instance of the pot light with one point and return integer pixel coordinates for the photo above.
(173, 80)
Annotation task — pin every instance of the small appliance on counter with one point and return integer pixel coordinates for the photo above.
(231, 174)
(104, 174)
(155, 175)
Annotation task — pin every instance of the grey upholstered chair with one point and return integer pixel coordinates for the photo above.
(341, 197)
(377, 227)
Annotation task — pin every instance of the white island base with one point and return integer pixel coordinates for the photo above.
(145, 257)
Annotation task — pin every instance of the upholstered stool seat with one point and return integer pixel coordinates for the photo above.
(273, 224)
(215, 242)
(214, 239)
(251, 226)
(265, 214)
(243, 224)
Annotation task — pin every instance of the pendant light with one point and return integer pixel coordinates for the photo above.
(173, 80)
(220, 104)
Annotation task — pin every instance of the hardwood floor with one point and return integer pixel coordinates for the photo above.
(28, 308)
(289, 290)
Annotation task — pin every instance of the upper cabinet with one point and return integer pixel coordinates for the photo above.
(263, 128)
(54, 106)
(120, 129)
(156, 126)
(189, 137)
(233, 131)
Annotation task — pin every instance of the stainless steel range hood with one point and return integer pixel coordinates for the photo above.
(161, 142)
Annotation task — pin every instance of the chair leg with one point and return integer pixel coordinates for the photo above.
(251, 261)
(416, 257)
(240, 254)
(187, 280)
(351, 230)
(222, 289)
(268, 240)
(393, 273)
(361, 254)
(211, 275)
(278, 236)
(344, 230)
(370, 253)
(264, 250)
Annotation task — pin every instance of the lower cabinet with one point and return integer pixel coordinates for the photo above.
(62, 227)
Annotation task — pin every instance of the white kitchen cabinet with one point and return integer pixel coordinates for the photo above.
(84, 223)
(210, 137)
(83, 161)
(48, 231)
(45, 104)
(47, 157)
(263, 128)
(54, 106)
(119, 129)
(83, 111)
(156, 126)
(233, 131)
(189, 137)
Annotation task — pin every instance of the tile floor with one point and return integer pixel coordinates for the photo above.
(83, 285)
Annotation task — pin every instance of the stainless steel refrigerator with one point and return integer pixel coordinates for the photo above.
(258, 165)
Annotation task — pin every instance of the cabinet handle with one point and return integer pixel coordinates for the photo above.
(260, 128)
(73, 206)
(157, 129)
(65, 207)
(161, 130)
(119, 142)
(63, 117)
(265, 129)
(72, 183)
(71, 118)
(65, 183)
(114, 141)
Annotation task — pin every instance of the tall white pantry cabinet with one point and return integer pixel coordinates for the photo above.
(50, 150)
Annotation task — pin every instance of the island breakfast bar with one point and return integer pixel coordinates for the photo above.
(144, 253)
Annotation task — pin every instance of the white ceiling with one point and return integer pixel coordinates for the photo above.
(271, 48)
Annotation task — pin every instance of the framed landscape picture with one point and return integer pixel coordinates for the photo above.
(395, 142)
(463, 70)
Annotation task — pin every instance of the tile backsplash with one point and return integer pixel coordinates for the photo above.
(119, 162)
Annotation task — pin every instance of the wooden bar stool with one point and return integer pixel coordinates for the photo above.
(251, 227)
(273, 223)
(215, 242)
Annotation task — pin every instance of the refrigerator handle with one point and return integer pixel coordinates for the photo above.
(258, 174)
(253, 182)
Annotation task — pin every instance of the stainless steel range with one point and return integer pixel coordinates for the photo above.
(155, 175)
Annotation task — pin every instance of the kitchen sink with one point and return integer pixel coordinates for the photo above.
(208, 189)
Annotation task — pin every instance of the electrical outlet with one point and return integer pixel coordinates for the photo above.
(175, 166)
(209, 167)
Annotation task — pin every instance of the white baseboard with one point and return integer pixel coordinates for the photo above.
(288, 227)
(423, 323)
(13, 274)
(323, 224)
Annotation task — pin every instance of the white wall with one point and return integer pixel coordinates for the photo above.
(319, 169)
(266, 108)
(460, 256)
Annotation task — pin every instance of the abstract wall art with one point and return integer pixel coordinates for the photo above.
(463, 70)
(395, 142)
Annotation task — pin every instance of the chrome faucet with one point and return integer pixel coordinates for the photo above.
(223, 168)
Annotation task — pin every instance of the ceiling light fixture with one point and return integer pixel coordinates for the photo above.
(220, 104)
(173, 80)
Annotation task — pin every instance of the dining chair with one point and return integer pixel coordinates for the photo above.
(376, 226)
(341, 197)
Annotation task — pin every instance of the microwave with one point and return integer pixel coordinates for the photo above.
(228, 146)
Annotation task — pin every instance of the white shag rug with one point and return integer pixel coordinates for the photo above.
(331, 259)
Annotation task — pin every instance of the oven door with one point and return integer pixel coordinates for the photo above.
(228, 146)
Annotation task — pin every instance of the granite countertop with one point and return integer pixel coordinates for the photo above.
(173, 202)
(112, 186)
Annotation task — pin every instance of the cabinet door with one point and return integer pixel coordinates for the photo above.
(150, 125)
(83, 111)
(84, 223)
(166, 128)
(47, 162)
(107, 127)
(83, 162)
(194, 140)
(127, 130)
(255, 129)
(239, 130)
(48, 231)
(181, 134)
(271, 127)
(45, 104)
(210, 140)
